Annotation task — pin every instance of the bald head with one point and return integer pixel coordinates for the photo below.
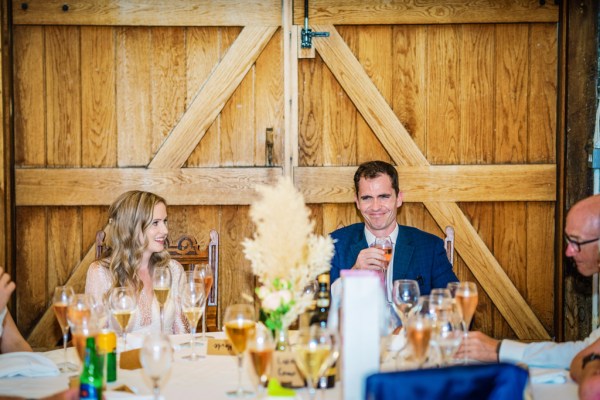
(583, 225)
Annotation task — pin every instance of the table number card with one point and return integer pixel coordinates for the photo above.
(219, 347)
(285, 370)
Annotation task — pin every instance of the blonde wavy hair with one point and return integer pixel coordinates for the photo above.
(129, 218)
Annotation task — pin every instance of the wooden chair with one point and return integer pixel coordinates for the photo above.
(188, 252)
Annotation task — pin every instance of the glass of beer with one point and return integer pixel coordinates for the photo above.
(239, 327)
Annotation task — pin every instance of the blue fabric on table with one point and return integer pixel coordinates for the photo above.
(483, 381)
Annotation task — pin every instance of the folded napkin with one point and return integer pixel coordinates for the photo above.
(548, 375)
(26, 364)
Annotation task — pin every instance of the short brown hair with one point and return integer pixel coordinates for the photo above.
(372, 169)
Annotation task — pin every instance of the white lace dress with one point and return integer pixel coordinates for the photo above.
(147, 316)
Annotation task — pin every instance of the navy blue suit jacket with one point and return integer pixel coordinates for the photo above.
(418, 255)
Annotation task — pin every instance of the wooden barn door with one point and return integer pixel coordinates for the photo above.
(177, 98)
(198, 103)
(463, 99)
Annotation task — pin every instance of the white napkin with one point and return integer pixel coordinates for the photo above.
(26, 364)
(548, 375)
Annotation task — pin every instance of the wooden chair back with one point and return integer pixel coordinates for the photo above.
(449, 244)
(188, 253)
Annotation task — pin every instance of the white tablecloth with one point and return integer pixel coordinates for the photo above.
(208, 378)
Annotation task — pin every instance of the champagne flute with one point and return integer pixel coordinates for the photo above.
(239, 326)
(418, 333)
(466, 300)
(122, 302)
(204, 272)
(161, 284)
(60, 301)
(192, 301)
(156, 356)
(385, 244)
(260, 349)
(315, 351)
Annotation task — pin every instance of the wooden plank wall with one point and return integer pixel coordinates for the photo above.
(468, 94)
(98, 93)
(78, 106)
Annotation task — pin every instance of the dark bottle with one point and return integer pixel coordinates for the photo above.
(322, 302)
(90, 381)
(320, 316)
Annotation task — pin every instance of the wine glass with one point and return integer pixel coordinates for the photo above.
(260, 349)
(452, 286)
(405, 295)
(466, 300)
(122, 302)
(60, 301)
(193, 299)
(156, 356)
(239, 326)
(316, 349)
(418, 333)
(440, 299)
(161, 284)
(81, 330)
(385, 244)
(447, 335)
(79, 309)
(204, 272)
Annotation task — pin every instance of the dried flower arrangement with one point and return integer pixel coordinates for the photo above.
(284, 252)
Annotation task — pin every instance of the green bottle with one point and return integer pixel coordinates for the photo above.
(90, 381)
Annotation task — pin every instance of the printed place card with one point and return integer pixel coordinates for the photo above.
(286, 371)
(219, 347)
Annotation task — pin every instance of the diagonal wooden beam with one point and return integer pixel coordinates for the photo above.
(395, 138)
(211, 98)
(39, 336)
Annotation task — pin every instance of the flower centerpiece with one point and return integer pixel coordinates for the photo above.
(284, 253)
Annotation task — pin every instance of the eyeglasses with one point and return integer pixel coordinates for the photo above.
(577, 245)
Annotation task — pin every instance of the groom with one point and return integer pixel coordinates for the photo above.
(417, 255)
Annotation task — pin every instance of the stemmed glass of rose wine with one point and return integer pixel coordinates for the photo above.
(385, 244)
(161, 284)
(315, 351)
(60, 301)
(466, 300)
(239, 327)
(204, 273)
(260, 349)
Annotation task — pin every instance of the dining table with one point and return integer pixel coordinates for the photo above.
(212, 376)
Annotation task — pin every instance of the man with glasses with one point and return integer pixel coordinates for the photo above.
(582, 233)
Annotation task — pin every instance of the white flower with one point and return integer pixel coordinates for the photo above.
(275, 299)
